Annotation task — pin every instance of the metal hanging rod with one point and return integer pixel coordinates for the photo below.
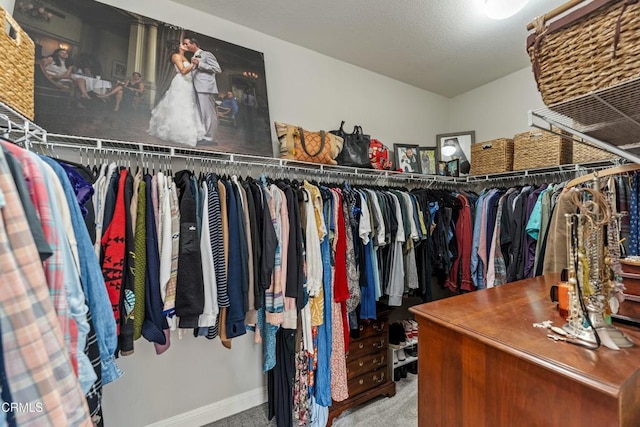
(143, 149)
(125, 148)
(553, 171)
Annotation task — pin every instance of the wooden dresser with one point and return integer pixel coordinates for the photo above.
(482, 363)
(368, 367)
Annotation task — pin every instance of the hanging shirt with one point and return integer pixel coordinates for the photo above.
(29, 368)
(210, 310)
(74, 295)
(92, 284)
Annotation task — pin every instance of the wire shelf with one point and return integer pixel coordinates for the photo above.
(21, 130)
(608, 119)
(18, 128)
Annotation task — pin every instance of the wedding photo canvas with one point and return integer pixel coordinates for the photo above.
(107, 73)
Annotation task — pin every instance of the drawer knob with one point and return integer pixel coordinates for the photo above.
(361, 363)
(379, 344)
(361, 328)
(361, 345)
(361, 382)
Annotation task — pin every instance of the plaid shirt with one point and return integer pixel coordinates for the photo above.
(53, 265)
(37, 367)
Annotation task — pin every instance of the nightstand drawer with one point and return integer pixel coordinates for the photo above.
(357, 367)
(364, 382)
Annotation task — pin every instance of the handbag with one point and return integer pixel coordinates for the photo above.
(355, 152)
(299, 144)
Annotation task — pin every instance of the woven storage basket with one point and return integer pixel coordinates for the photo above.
(583, 152)
(17, 53)
(538, 149)
(492, 156)
(584, 51)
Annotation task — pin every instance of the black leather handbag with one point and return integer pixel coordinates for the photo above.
(355, 151)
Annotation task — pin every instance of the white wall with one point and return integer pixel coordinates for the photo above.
(304, 88)
(7, 5)
(497, 109)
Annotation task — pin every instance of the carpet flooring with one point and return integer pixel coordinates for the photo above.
(400, 410)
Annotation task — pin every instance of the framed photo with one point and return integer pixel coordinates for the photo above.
(407, 158)
(119, 70)
(142, 59)
(427, 160)
(442, 168)
(457, 145)
(453, 167)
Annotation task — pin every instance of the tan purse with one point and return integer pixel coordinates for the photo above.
(299, 144)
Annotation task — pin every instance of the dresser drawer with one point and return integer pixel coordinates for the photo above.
(357, 367)
(372, 328)
(367, 381)
(362, 347)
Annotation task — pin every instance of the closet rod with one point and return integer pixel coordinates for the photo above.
(544, 171)
(164, 151)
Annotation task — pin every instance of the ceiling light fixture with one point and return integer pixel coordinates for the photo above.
(502, 9)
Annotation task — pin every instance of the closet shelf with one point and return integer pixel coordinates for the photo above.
(18, 128)
(405, 362)
(144, 150)
(608, 118)
(559, 171)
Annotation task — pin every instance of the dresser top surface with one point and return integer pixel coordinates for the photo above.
(503, 318)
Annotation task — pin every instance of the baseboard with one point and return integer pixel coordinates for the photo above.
(216, 411)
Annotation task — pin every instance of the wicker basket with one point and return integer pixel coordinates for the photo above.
(17, 53)
(581, 52)
(583, 152)
(492, 156)
(538, 149)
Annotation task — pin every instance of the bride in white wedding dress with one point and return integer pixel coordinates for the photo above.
(176, 117)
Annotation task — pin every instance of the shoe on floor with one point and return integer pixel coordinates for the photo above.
(412, 368)
(401, 356)
(395, 357)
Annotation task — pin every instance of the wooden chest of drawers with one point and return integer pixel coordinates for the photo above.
(368, 369)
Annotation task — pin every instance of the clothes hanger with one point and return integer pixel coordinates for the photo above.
(602, 173)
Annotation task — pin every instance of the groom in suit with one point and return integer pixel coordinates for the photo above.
(204, 82)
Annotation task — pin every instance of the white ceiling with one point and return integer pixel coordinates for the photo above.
(444, 46)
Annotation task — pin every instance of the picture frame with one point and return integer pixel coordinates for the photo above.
(407, 158)
(240, 106)
(428, 162)
(456, 145)
(453, 168)
(118, 70)
(442, 168)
